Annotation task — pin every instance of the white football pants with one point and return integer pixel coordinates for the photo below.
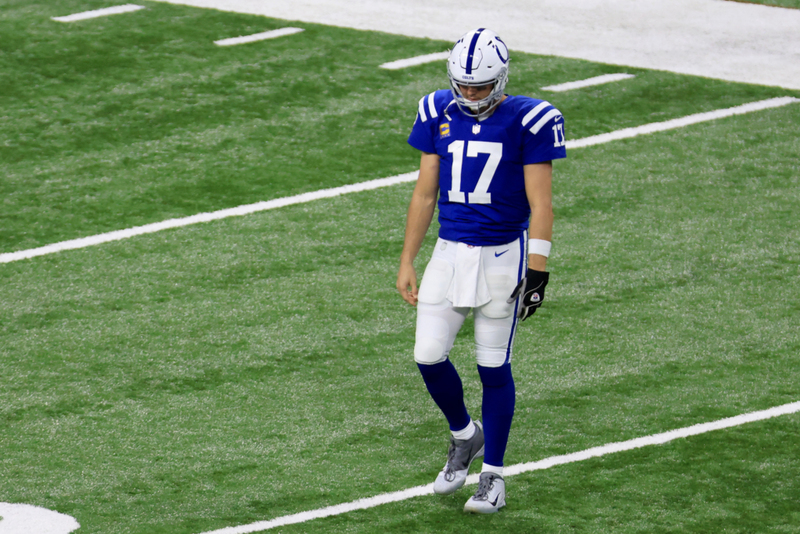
(439, 321)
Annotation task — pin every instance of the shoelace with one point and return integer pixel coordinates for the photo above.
(485, 484)
(449, 472)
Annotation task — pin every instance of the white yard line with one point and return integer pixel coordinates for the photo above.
(681, 122)
(595, 452)
(258, 37)
(373, 184)
(206, 217)
(413, 61)
(589, 82)
(116, 10)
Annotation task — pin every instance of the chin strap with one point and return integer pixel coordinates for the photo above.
(448, 107)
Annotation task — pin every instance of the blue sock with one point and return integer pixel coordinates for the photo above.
(498, 410)
(445, 387)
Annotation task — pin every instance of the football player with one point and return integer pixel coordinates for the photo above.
(487, 158)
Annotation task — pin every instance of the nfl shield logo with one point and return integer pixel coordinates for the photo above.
(476, 129)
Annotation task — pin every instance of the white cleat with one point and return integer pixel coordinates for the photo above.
(490, 497)
(459, 457)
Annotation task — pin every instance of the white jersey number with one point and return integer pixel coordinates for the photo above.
(481, 193)
(558, 133)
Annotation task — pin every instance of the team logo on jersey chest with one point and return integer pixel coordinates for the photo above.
(476, 129)
(444, 130)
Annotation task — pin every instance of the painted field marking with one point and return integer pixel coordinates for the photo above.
(206, 217)
(588, 82)
(682, 122)
(595, 452)
(116, 10)
(372, 184)
(27, 519)
(418, 60)
(258, 36)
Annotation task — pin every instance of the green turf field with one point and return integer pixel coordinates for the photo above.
(792, 4)
(259, 366)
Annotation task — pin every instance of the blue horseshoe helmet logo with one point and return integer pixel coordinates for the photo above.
(499, 54)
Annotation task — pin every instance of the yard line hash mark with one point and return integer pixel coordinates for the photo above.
(258, 36)
(412, 61)
(589, 82)
(116, 10)
(595, 452)
(375, 184)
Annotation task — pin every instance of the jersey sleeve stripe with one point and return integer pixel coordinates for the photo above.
(422, 115)
(541, 122)
(432, 106)
(535, 111)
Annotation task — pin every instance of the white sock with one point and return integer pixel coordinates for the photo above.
(466, 433)
(492, 469)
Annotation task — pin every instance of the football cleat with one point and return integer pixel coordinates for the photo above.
(479, 58)
(459, 457)
(490, 497)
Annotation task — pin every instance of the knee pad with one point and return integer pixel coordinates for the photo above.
(433, 335)
(493, 339)
(429, 351)
(495, 376)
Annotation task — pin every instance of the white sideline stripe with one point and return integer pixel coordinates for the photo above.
(595, 452)
(116, 10)
(373, 184)
(258, 36)
(206, 217)
(588, 82)
(412, 61)
(683, 121)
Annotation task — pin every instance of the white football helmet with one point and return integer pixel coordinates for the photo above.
(480, 57)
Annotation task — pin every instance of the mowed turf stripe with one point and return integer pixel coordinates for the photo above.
(595, 452)
(374, 184)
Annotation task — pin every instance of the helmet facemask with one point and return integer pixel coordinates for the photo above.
(484, 107)
(479, 58)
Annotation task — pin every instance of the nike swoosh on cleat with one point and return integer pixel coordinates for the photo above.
(495, 501)
(496, 255)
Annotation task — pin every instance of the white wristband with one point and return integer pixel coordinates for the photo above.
(540, 247)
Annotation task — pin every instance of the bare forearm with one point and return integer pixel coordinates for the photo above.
(420, 214)
(541, 227)
(538, 187)
(418, 220)
(421, 207)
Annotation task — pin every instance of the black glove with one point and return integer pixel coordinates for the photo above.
(532, 290)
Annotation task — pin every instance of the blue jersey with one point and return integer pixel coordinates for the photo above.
(482, 198)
